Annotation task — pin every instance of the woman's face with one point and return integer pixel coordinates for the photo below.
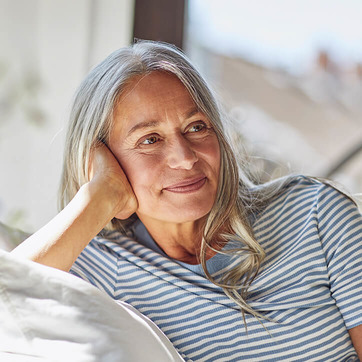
(167, 148)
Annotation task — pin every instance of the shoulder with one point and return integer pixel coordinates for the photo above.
(288, 189)
(294, 186)
(100, 258)
(108, 246)
(297, 182)
(297, 192)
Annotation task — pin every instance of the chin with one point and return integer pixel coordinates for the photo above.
(183, 214)
(180, 209)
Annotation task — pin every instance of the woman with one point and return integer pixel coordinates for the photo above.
(227, 270)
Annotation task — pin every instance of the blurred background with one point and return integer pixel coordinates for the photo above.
(288, 72)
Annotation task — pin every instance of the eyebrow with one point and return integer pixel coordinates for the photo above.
(150, 124)
(143, 125)
(192, 112)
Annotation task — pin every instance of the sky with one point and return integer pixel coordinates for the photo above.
(280, 33)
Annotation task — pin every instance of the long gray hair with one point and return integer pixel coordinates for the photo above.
(91, 122)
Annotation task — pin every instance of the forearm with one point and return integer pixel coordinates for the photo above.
(59, 242)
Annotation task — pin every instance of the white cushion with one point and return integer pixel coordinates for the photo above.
(50, 315)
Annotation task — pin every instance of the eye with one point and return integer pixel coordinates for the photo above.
(197, 127)
(150, 140)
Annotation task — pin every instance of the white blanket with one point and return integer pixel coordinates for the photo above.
(49, 315)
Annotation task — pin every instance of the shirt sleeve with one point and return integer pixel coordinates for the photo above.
(97, 264)
(340, 229)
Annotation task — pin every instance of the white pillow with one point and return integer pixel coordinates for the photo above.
(50, 315)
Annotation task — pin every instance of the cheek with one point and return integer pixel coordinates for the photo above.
(210, 152)
(141, 171)
(215, 155)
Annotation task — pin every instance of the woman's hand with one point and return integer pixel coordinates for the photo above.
(105, 171)
(107, 195)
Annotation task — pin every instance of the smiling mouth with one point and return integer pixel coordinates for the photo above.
(187, 186)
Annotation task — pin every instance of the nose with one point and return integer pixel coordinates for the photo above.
(180, 154)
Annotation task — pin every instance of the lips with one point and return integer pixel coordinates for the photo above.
(186, 186)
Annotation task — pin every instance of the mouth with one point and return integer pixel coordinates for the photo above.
(187, 186)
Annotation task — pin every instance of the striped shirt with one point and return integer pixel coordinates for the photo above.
(309, 287)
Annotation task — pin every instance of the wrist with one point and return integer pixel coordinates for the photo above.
(96, 194)
(115, 194)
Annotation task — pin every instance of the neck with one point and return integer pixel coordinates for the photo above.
(179, 241)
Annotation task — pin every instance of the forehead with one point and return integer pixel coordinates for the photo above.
(156, 91)
(151, 97)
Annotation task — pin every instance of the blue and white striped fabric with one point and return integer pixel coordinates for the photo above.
(309, 287)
